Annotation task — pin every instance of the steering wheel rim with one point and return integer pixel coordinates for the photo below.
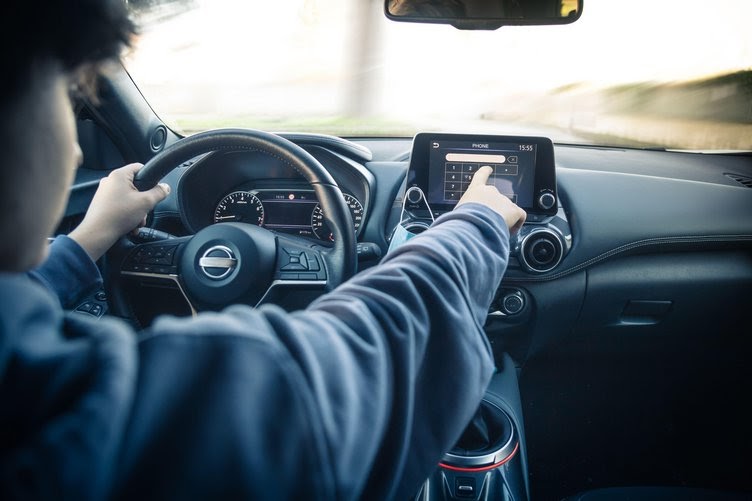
(340, 260)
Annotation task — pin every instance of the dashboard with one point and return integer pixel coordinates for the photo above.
(576, 202)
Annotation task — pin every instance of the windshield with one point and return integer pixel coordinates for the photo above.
(673, 74)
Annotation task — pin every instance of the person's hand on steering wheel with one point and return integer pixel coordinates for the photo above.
(117, 208)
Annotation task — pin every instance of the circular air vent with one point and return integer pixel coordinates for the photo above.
(541, 250)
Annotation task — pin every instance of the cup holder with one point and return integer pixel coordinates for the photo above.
(484, 464)
(489, 440)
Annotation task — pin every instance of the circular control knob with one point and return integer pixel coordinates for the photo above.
(547, 200)
(414, 195)
(513, 302)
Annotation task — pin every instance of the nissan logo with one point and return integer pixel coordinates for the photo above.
(217, 262)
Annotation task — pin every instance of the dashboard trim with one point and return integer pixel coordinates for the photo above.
(694, 242)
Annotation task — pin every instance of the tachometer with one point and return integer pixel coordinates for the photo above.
(240, 207)
(321, 229)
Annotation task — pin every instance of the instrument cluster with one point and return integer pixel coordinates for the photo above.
(296, 212)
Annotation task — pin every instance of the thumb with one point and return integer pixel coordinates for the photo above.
(481, 176)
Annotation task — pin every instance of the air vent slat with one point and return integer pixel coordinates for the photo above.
(743, 180)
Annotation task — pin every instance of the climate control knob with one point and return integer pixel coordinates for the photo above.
(547, 200)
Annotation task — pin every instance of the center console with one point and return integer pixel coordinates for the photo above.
(489, 461)
(442, 166)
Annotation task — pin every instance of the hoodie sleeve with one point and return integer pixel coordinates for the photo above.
(68, 272)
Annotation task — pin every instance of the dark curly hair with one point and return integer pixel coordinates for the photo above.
(77, 34)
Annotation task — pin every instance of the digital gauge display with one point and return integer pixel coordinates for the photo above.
(292, 212)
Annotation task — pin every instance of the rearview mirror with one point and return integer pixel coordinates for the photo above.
(484, 14)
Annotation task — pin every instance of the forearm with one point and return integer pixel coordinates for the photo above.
(94, 241)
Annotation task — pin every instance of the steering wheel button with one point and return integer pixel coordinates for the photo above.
(313, 263)
(308, 276)
(288, 276)
(294, 267)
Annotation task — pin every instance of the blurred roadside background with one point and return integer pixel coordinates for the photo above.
(673, 74)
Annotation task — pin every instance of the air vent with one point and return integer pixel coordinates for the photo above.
(743, 180)
(541, 250)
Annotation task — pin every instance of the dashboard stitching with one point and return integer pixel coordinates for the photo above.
(658, 241)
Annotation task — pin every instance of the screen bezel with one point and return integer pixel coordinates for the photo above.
(545, 168)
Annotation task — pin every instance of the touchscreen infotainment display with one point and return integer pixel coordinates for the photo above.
(452, 164)
(442, 165)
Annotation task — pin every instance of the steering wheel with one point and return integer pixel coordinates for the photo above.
(229, 263)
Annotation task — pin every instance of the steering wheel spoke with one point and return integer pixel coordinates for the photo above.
(157, 261)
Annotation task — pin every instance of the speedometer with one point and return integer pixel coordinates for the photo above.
(321, 229)
(240, 207)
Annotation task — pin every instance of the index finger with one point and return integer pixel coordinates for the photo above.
(129, 170)
(481, 176)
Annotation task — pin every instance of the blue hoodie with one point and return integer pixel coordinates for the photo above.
(357, 396)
